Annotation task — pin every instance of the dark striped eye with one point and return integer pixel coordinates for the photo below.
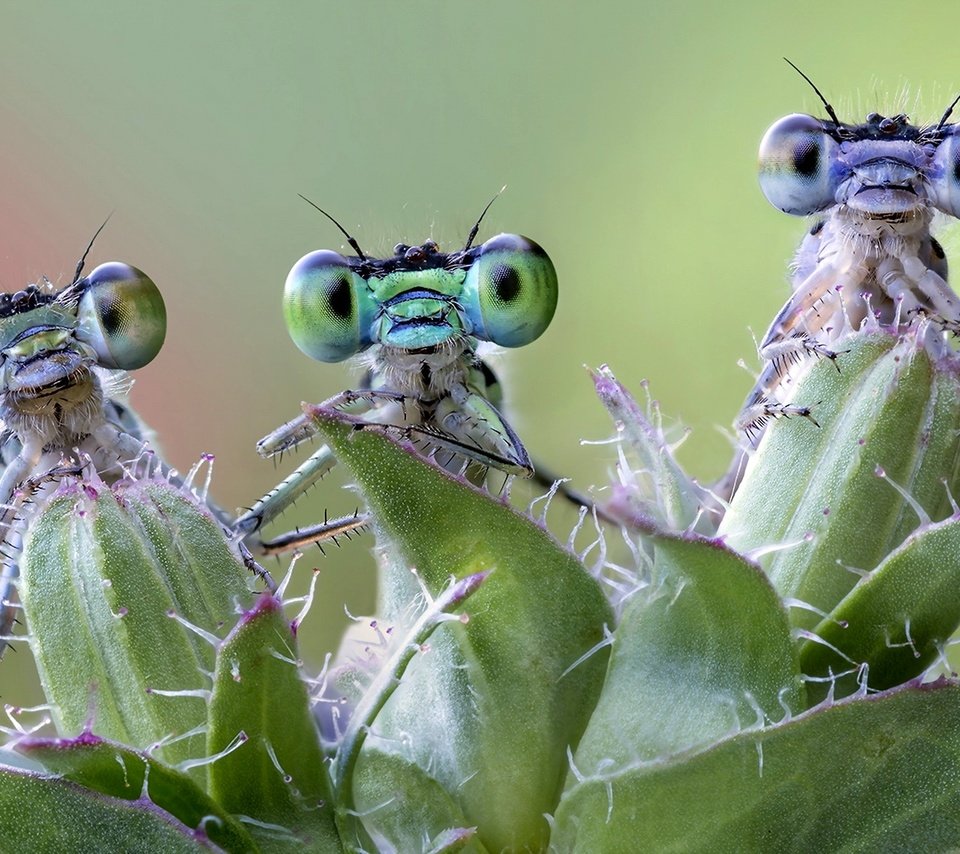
(121, 315)
(510, 293)
(796, 156)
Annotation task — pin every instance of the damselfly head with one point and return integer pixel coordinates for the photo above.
(420, 299)
(49, 339)
(883, 168)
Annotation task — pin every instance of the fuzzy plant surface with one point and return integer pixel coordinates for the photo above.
(765, 674)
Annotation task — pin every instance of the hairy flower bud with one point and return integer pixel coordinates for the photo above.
(116, 581)
(838, 514)
(821, 505)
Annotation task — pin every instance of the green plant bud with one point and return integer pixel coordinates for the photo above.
(651, 486)
(114, 580)
(819, 506)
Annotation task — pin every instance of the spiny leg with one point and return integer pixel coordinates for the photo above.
(818, 286)
(484, 437)
(783, 353)
(291, 434)
(327, 531)
(279, 498)
(13, 476)
(286, 437)
(130, 448)
(286, 492)
(303, 428)
(17, 471)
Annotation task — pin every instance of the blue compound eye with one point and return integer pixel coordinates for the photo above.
(796, 156)
(121, 315)
(946, 184)
(510, 293)
(327, 307)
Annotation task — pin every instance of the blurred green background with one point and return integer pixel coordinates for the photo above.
(626, 133)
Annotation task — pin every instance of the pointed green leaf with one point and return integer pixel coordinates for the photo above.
(115, 770)
(102, 570)
(278, 777)
(897, 618)
(42, 813)
(493, 698)
(877, 774)
(703, 651)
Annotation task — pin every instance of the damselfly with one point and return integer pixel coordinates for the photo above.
(64, 354)
(417, 318)
(869, 256)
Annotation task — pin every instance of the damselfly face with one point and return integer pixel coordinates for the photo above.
(51, 341)
(421, 302)
(884, 168)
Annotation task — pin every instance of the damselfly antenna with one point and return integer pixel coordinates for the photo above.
(83, 259)
(946, 115)
(826, 104)
(353, 243)
(476, 227)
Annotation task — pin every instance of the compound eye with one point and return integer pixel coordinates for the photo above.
(121, 315)
(947, 169)
(326, 307)
(796, 156)
(510, 293)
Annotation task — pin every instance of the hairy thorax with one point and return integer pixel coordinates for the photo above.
(61, 413)
(424, 375)
(885, 267)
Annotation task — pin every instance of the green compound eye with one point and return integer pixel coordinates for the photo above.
(121, 315)
(326, 307)
(795, 159)
(510, 293)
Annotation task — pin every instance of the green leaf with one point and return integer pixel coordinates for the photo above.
(116, 770)
(877, 774)
(389, 675)
(413, 807)
(897, 618)
(491, 709)
(42, 813)
(811, 501)
(702, 652)
(278, 777)
(102, 570)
